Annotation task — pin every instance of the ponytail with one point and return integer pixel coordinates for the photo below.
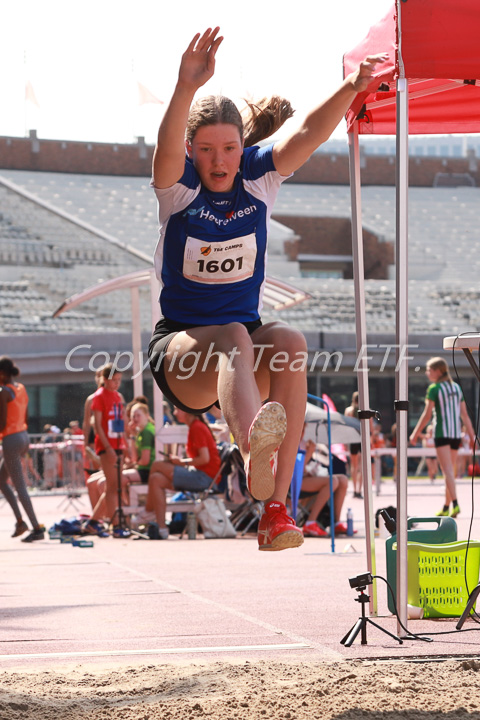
(264, 118)
(8, 367)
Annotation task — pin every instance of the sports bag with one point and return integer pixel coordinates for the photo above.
(212, 516)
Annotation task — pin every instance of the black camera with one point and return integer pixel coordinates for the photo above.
(361, 581)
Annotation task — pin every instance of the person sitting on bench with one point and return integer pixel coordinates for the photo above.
(193, 473)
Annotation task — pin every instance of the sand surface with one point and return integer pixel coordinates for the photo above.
(376, 690)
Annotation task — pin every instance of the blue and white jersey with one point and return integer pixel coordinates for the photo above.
(211, 255)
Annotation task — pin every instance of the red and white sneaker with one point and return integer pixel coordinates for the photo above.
(276, 530)
(264, 437)
(313, 529)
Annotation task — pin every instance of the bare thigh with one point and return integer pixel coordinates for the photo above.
(195, 358)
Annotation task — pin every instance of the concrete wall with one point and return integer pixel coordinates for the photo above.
(333, 236)
(33, 153)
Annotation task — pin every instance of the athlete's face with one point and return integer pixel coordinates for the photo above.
(432, 374)
(139, 418)
(216, 151)
(112, 383)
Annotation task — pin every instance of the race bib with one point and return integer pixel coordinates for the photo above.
(229, 261)
(116, 425)
(115, 428)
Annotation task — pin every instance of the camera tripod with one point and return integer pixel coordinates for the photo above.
(119, 514)
(361, 624)
(468, 609)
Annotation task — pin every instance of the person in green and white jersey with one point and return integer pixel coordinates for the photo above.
(444, 402)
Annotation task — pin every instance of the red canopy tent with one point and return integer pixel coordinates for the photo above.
(427, 86)
(434, 44)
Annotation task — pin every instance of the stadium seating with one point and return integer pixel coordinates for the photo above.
(52, 257)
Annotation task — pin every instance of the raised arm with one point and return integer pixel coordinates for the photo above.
(196, 68)
(290, 154)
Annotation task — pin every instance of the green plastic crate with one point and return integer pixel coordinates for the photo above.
(431, 530)
(439, 579)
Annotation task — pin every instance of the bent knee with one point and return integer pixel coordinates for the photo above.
(159, 480)
(285, 337)
(233, 335)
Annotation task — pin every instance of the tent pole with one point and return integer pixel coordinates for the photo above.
(136, 341)
(157, 394)
(401, 369)
(361, 363)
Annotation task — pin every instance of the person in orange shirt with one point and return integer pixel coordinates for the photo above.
(195, 472)
(15, 442)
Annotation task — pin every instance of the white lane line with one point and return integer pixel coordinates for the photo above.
(157, 651)
(333, 654)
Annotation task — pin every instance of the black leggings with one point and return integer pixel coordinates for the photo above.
(15, 447)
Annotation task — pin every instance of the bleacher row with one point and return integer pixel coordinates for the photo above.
(443, 265)
(332, 307)
(45, 258)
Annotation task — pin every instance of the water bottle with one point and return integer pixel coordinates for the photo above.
(191, 526)
(349, 522)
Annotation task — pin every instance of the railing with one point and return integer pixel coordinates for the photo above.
(55, 462)
(415, 452)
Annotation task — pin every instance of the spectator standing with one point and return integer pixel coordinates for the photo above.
(15, 442)
(355, 451)
(445, 403)
(108, 411)
(92, 461)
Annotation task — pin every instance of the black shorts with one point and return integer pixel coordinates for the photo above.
(355, 448)
(165, 331)
(144, 473)
(453, 442)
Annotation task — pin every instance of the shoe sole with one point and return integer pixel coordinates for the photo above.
(455, 514)
(287, 539)
(266, 434)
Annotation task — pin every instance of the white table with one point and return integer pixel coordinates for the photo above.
(469, 343)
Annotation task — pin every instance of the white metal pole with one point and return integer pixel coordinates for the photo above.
(362, 364)
(157, 394)
(401, 370)
(136, 342)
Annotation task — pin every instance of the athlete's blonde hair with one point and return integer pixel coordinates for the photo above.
(438, 363)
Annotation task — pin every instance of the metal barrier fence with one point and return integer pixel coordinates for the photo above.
(55, 462)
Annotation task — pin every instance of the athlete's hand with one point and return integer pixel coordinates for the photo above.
(198, 60)
(362, 77)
